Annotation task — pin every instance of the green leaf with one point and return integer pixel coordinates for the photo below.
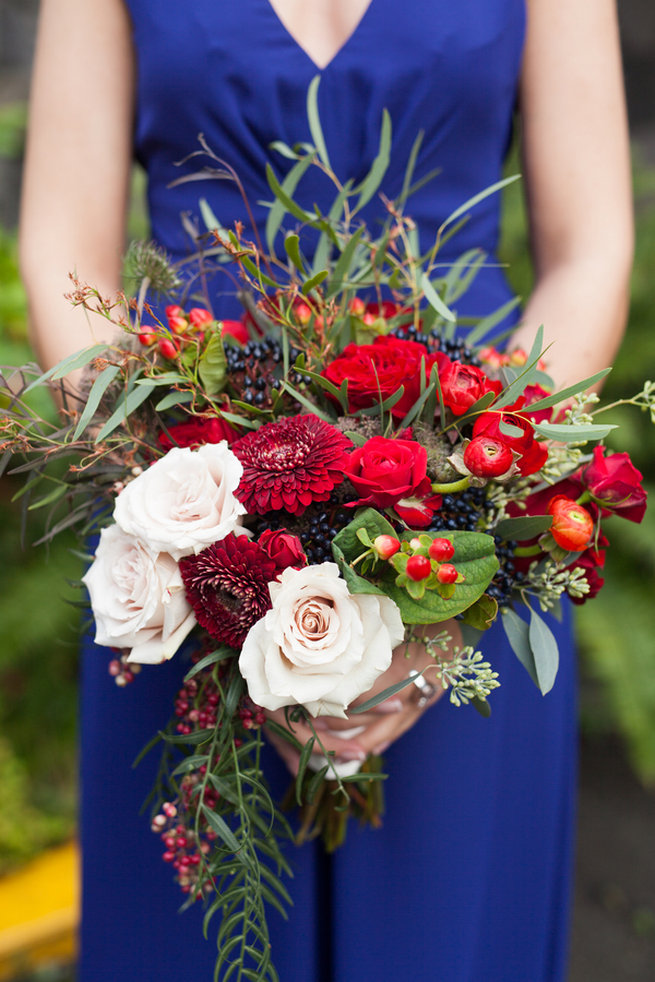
(284, 198)
(572, 390)
(221, 654)
(544, 650)
(409, 170)
(342, 264)
(224, 832)
(174, 399)
(488, 323)
(482, 613)
(278, 209)
(305, 754)
(565, 432)
(379, 167)
(314, 121)
(327, 238)
(209, 218)
(314, 784)
(307, 403)
(313, 282)
(292, 249)
(517, 632)
(77, 360)
(435, 300)
(132, 401)
(477, 198)
(284, 149)
(524, 527)
(212, 366)
(98, 389)
(380, 697)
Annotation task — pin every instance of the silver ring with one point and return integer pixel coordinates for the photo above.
(426, 691)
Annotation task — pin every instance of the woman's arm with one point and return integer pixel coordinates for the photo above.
(577, 172)
(77, 168)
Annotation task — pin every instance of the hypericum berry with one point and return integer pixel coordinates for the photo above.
(447, 573)
(357, 306)
(418, 567)
(168, 348)
(147, 336)
(386, 546)
(441, 550)
(199, 317)
(487, 457)
(572, 526)
(178, 325)
(302, 312)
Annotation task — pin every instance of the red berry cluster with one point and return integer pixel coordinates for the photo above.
(183, 849)
(122, 671)
(183, 329)
(422, 560)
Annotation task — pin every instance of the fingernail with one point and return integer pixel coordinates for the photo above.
(393, 705)
(352, 755)
(377, 751)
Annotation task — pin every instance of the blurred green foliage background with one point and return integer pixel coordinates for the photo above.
(38, 624)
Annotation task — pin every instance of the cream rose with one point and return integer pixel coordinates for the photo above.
(183, 502)
(138, 599)
(319, 646)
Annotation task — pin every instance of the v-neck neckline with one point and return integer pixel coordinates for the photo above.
(304, 51)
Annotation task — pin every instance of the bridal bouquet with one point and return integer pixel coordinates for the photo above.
(284, 500)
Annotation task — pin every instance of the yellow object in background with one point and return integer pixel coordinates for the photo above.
(39, 913)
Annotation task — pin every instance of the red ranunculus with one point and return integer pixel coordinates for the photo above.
(615, 484)
(283, 548)
(532, 455)
(375, 371)
(196, 432)
(463, 385)
(487, 457)
(572, 526)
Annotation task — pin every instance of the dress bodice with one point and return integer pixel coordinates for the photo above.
(232, 72)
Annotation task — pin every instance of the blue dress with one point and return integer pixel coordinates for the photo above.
(469, 878)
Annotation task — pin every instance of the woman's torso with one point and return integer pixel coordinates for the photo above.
(234, 73)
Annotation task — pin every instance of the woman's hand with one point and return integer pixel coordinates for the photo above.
(374, 731)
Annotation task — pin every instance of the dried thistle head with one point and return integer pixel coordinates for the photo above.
(148, 261)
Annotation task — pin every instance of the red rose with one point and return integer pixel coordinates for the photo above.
(393, 473)
(590, 561)
(463, 385)
(383, 471)
(375, 371)
(283, 548)
(615, 484)
(196, 432)
(532, 455)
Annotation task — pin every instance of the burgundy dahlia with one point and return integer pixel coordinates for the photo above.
(227, 586)
(290, 464)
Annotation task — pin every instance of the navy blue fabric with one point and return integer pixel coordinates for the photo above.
(468, 880)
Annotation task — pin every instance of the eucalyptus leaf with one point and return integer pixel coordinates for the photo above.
(313, 118)
(566, 432)
(174, 399)
(278, 209)
(379, 167)
(77, 360)
(292, 249)
(435, 300)
(517, 632)
(313, 282)
(544, 650)
(98, 389)
(132, 401)
(477, 198)
(342, 264)
(572, 390)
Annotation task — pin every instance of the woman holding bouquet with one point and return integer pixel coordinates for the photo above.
(469, 877)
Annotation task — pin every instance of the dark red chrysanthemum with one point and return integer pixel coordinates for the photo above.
(227, 586)
(290, 464)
